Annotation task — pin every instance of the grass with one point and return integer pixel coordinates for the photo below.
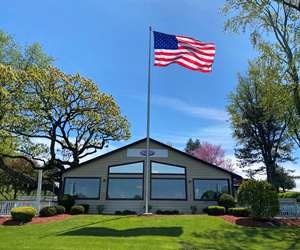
(157, 232)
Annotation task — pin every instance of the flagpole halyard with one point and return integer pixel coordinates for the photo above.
(147, 168)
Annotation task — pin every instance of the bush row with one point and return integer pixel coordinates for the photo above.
(52, 210)
(220, 210)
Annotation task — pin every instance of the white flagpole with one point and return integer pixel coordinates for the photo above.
(147, 169)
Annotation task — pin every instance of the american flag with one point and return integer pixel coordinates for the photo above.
(183, 50)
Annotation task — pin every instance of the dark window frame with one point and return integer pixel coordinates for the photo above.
(169, 164)
(169, 199)
(77, 177)
(124, 199)
(177, 176)
(212, 179)
(125, 176)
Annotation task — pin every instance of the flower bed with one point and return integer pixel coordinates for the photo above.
(8, 221)
(249, 222)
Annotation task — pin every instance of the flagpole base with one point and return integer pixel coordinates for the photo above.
(147, 214)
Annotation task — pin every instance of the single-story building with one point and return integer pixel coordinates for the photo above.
(116, 180)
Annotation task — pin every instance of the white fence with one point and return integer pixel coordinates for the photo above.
(6, 206)
(289, 208)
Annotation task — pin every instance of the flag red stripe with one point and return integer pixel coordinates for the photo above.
(184, 65)
(194, 40)
(182, 46)
(184, 53)
(186, 59)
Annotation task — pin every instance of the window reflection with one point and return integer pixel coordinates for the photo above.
(169, 189)
(86, 188)
(132, 168)
(125, 188)
(162, 168)
(210, 189)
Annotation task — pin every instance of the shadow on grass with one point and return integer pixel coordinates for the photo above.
(244, 238)
(82, 226)
(133, 232)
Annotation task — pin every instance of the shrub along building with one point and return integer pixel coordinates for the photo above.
(178, 181)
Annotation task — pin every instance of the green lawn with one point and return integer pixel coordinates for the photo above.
(156, 232)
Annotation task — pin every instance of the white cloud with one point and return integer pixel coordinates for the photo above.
(197, 111)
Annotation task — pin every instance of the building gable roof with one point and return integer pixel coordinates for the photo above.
(162, 144)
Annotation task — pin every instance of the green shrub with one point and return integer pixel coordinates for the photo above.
(194, 209)
(226, 200)
(23, 214)
(60, 209)
(48, 211)
(125, 212)
(260, 197)
(215, 210)
(86, 207)
(239, 211)
(67, 201)
(167, 212)
(77, 209)
(289, 195)
(100, 209)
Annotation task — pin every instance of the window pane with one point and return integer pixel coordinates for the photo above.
(125, 189)
(132, 168)
(168, 189)
(210, 189)
(82, 188)
(161, 168)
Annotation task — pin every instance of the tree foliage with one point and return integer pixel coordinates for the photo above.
(213, 154)
(283, 179)
(50, 117)
(258, 114)
(192, 145)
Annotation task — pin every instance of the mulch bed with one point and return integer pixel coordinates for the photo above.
(8, 221)
(249, 222)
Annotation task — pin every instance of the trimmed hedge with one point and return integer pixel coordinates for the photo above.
(77, 209)
(48, 211)
(215, 210)
(125, 212)
(67, 201)
(86, 207)
(226, 200)
(167, 212)
(23, 214)
(239, 211)
(60, 209)
(288, 195)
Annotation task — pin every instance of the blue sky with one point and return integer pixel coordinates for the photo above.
(108, 42)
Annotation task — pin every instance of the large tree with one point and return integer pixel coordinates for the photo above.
(51, 119)
(67, 115)
(259, 117)
(275, 31)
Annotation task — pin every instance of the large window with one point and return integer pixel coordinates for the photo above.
(131, 168)
(168, 189)
(125, 188)
(209, 189)
(162, 168)
(168, 182)
(83, 188)
(125, 182)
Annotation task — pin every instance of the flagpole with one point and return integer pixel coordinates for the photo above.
(147, 169)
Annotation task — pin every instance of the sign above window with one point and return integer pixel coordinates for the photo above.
(142, 152)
